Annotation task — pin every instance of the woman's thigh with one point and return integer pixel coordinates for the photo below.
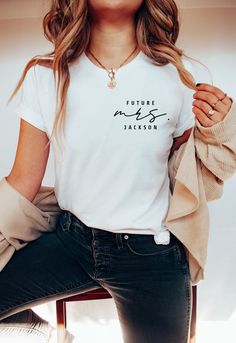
(150, 285)
(42, 271)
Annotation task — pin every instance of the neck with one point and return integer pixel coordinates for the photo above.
(112, 41)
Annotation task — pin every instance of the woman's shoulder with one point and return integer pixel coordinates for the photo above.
(42, 73)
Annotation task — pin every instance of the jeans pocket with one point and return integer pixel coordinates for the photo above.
(181, 257)
(144, 245)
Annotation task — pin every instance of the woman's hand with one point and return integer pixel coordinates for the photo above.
(211, 104)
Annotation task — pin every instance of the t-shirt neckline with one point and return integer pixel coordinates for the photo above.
(127, 66)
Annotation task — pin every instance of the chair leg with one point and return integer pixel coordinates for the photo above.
(61, 313)
(193, 315)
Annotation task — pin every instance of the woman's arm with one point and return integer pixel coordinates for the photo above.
(30, 161)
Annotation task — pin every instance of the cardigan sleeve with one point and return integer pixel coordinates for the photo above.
(23, 221)
(216, 146)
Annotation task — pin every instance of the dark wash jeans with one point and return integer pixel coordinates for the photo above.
(149, 283)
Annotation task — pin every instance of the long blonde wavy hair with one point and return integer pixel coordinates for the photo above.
(67, 25)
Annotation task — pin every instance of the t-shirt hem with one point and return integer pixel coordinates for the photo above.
(28, 115)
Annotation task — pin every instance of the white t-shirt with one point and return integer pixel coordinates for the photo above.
(113, 171)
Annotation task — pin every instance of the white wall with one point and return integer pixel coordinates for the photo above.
(207, 34)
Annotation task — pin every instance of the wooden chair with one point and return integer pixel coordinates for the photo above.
(193, 315)
(101, 293)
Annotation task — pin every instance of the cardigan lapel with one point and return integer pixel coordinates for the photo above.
(185, 197)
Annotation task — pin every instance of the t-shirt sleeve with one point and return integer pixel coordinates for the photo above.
(186, 118)
(28, 106)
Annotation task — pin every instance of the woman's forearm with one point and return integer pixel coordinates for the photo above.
(26, 186)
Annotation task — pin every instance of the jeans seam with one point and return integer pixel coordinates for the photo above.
(189, 301)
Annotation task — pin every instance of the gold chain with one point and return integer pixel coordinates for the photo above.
(112, 71)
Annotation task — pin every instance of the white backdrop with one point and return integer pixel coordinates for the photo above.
(207, 34)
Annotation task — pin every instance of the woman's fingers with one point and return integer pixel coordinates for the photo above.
(202, 117)
(210, 104)
(205, 108)
(211, 101)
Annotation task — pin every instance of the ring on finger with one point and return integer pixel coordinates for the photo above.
(215, 103)
(225, 95)
(211, 112)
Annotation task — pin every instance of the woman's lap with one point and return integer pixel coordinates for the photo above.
(149, 283)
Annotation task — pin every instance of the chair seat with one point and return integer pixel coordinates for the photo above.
(99, 293)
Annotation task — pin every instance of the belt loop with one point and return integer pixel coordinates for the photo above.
(67, 220)
(119, 240)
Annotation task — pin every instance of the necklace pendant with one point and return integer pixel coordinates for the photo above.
(111, 73)
(112, 83)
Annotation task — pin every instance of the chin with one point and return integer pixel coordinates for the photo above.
(124, 5)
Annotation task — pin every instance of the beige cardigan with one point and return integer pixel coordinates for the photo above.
(197, 172)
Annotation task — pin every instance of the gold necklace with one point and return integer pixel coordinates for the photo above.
(112, 71)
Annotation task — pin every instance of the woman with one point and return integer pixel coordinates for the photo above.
(125, 116)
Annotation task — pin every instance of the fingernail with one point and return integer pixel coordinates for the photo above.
(198, 84)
